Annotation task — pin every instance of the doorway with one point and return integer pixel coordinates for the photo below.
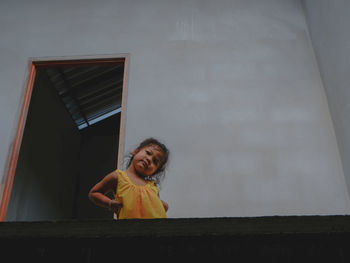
(72, 136)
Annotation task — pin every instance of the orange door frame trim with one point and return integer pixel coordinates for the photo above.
(15, 149)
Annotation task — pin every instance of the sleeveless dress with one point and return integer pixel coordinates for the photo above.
(139, 201)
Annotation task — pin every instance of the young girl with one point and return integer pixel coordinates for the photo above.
(136, 192)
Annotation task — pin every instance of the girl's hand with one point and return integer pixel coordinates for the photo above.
(115, 206)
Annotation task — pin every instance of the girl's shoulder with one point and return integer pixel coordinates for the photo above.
(117, 171)
(120, 173)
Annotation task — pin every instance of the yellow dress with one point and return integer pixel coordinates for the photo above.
(139, 201)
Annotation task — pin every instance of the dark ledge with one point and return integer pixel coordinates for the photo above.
(285, 238)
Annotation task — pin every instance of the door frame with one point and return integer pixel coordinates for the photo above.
(34, 63)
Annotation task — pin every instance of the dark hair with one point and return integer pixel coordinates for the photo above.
(160, 173)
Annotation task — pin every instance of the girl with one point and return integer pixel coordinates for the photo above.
(136, 192)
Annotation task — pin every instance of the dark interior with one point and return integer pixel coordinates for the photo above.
(70, 142)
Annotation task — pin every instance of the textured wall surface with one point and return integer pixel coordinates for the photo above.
(232, 88)
(329, 24)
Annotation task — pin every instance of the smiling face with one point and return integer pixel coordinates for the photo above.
(147, 160)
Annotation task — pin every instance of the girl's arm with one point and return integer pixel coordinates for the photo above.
(98, 193)
(165, 205)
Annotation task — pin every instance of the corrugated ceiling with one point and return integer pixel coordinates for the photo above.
(90, 93)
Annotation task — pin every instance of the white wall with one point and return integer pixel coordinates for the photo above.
(329, 23)
(232, 87)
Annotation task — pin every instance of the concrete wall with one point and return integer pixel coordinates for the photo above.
(329, 24)
(232, 87)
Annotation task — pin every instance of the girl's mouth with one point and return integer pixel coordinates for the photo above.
(144, 163)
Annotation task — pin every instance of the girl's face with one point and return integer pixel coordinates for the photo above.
(146, 160)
